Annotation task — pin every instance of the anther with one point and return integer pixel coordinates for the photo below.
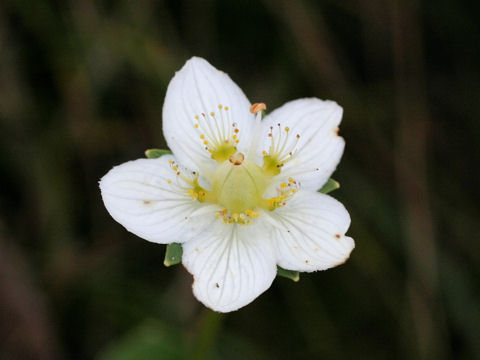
(257, 107)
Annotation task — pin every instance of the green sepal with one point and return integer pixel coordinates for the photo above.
(156, 153)
(289, 274)
(329, 186)
(173, 255)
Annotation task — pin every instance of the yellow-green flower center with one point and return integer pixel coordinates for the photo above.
(239, 184)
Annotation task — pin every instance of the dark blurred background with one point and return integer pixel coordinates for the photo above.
(82, 85)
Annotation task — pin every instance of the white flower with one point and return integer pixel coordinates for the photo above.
(239, 192)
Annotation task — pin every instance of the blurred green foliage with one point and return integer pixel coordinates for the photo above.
(81, 89)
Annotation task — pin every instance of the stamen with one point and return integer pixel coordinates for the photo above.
(256, 108)
(243, 218)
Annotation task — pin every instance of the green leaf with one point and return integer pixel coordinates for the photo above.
(156, 153)
(329, 186)
(289, 274)
(173, 255)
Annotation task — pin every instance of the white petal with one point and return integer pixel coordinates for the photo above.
(198, 88)
(319, 147)
(137, 195)
(309, 232)
(231, 265)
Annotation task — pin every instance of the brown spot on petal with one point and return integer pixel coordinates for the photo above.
(342, 262)
(338, 236)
